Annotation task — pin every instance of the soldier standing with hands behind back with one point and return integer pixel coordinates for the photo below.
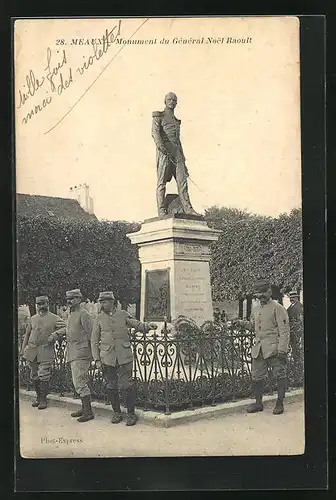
(270, 323)
(112, 352)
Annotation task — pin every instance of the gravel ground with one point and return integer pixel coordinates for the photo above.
(52, 433)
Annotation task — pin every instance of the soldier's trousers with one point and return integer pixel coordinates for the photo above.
(40, 371)
(80, 376)
(119, 376)
(260, 366)
(165, 170)
(295, 341)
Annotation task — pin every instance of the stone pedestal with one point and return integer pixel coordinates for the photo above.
(174, 252)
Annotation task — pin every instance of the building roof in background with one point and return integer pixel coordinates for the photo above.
(35, 205)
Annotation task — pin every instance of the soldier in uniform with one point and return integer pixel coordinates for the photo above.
(217, 315)
(78, 351)
(223, 316)
(170, 160)
(38, 348)
(112, 352)
(270, 323)
(295, 315)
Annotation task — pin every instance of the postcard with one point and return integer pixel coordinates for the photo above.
(159, 230)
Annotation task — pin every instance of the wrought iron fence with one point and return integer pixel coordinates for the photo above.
(174, 372)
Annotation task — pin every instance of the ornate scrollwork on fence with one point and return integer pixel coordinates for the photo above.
(176, 369)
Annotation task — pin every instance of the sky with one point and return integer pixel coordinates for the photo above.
(238, 104)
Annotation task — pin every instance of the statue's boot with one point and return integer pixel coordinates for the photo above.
(182, 187)
(191, 211)
(185, 202)
(160, 200)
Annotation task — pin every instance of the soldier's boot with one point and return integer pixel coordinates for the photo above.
(87, 410)
(79, 412)
(87, 413)
(257, 387)
(131, 418)
(44, 389)
(279, 407)
(113, 396)
(36, 384)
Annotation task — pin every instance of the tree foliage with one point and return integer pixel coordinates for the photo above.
(254, 246)
(55, 255)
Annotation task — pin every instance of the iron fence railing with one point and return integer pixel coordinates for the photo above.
(175, 372)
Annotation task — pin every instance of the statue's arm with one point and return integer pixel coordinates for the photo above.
(182, 152)
(179, 141)
(156, 132)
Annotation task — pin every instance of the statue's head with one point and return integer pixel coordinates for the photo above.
(170, 100)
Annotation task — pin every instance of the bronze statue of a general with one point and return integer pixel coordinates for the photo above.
(170, 160)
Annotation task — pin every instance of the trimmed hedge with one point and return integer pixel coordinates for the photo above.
(55, 255)
(251, 247)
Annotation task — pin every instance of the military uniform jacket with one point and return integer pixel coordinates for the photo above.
(295, 312)
(271, 326)
(110, 340)
(166, 134)
(35, 344)
(78, 335)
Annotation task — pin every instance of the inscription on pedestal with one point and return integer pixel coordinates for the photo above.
(182, 245)
(192, 251)
(157, 295)
(193, 293)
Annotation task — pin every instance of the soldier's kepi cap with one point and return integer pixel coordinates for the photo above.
(73, 294)
(262, 285)
(41, 299)
(106, 296)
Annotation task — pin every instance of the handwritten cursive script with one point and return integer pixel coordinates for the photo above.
(108, 39)
(59, 80)
(37, 109)
(53, 71)
(59, 75)
(32, 85)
